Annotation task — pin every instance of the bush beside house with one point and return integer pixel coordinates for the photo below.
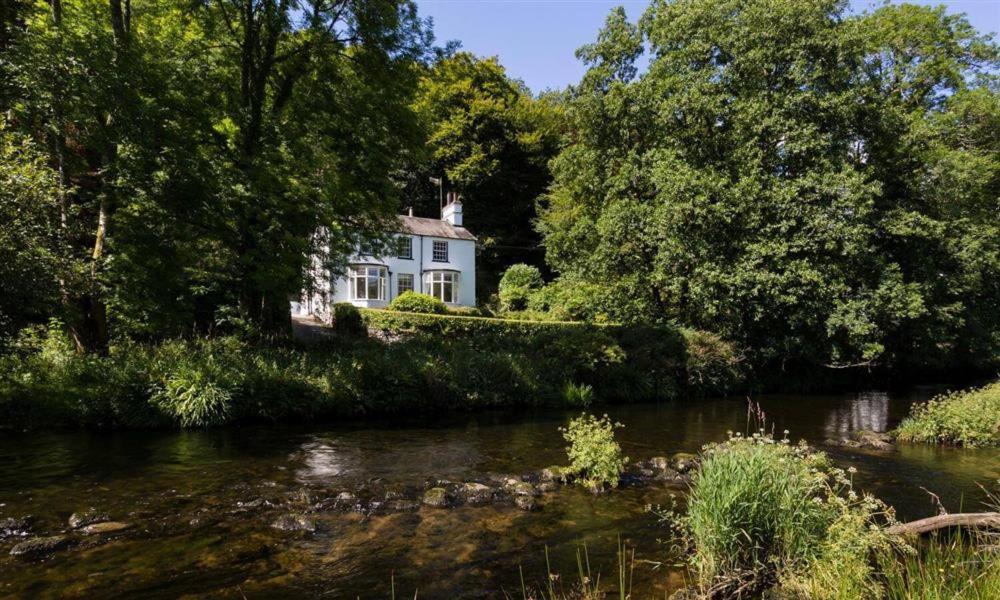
(418, 303)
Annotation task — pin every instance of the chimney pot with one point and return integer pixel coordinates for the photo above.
(410, 210)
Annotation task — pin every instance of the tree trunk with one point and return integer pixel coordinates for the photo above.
(986, 520)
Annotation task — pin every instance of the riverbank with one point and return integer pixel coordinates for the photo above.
(964, 418)
(398, 369)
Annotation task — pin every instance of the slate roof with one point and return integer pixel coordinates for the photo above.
(433, 228)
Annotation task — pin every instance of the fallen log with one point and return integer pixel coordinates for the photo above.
(986, 520)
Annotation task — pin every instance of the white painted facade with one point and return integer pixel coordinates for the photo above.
(440, 260)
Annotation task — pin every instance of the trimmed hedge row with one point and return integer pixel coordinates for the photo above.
(409, 322)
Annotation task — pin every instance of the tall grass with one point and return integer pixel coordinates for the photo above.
(970, 418)
(588, 583)
(953, 568)
(764, 514)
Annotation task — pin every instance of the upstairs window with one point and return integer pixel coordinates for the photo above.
(439, 252)
(404, 247)
(443, 285)
(367, 283)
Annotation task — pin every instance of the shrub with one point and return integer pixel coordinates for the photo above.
(763, 512)
(970, 418)
(347, 319)
(593, 452)
(418, 303)
(712, 364)
(517, 284)
(579, 396)
(567, 299)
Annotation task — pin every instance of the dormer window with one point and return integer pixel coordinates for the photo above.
(439, 251)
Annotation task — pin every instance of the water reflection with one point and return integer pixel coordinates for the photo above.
(867, 410)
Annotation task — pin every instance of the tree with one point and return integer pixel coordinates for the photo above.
(766, 179)
(30, 250)
(199, 146)
(492, 141)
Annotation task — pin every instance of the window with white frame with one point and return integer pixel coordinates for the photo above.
(443, 285)
(404, 283)
(367, 283)
(439, 251)
(404, 245)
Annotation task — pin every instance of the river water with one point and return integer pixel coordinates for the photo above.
(201, 502)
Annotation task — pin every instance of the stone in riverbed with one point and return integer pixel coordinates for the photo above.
(476, 493)
(87, 517)
(682, 462)
(40, 546)
(11, 527)
(525, 502)
(522, 488)
(873, 440)
(294, 523)
(660, 463)
(554, 473)
(105, 527)
(436, 497)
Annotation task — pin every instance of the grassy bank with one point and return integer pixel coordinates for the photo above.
(199, 382)
(769, 519)
(970, 418)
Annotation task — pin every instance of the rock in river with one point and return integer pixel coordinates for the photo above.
(476, 493)
(436, 497)
(682, 462)
(294, 523)
(87, 517)
(11, 527)
(105, 527)
(525, 502)
(40, 546)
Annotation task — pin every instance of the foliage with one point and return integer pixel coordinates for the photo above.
(970, 418)
(436, 363)
(194, 149)
(763, 512)
(347, 319)
(492, 141)
(946, 568)
(566, 299)
(418, 303)
(580, 396)
(32, 260)
(593, 451)
(713, 364)
(517, 284)
(815, 187)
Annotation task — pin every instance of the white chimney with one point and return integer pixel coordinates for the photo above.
(452, 212)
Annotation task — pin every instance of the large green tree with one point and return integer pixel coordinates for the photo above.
(781, 175)
(491, 141)
(198, 146)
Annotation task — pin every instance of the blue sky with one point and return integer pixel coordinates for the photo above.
(536, 39)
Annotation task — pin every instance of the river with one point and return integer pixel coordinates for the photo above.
(201, 503)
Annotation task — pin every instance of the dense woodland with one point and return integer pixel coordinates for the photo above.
(817, 187)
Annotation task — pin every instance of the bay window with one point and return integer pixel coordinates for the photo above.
(443, 285)
(367, 283)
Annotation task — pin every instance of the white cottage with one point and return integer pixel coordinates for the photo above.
(433, 256)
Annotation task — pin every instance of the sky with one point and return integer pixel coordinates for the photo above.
(536, 40)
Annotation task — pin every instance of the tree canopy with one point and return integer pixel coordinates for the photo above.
(815, 186)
